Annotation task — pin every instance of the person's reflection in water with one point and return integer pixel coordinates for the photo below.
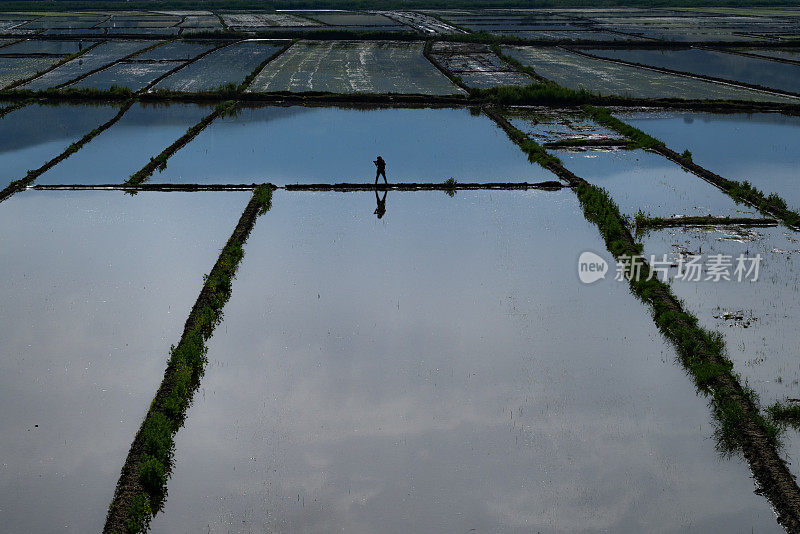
(380, 211)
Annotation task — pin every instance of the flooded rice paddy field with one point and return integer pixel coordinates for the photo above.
(98, 57)
(287, 145)
(762, 148)
(381, 394)
(596, 75)
(25, 145)
(353, 67)
(641, 181)
(111, 157)
(228, 65)
(726, 66)
(102, 284)
(407, 361)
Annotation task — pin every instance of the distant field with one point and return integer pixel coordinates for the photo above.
(596, 75)
(353, 67)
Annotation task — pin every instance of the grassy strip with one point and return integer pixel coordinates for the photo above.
(548, 95)
(160, 161)
(742, 192)
(52, 67)
(786, 415)
(22, 183)
(643, 221)
(740, 423)
(142, 485)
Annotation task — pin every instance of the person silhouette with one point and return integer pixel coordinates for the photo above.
(380, 211)
(381, 165)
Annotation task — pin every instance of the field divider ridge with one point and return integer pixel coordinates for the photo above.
(740, 423)
(141, 489)
(341, 187)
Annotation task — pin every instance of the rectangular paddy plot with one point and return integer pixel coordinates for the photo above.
(26, 145)
(639, 180)
(246, 21)
(599, 76)
(14, 69)
(135, 75)
(231, 64)
(549, 126)
(477, 65)
(175, 51)
(63, 48)
(422, 23)
(103, 283)
(353, 67)
(96, 58)
(350, 19)
(761, 148)
(791, 55)
(733, 67)
(287, 145)
(423, 373)
(111, 157)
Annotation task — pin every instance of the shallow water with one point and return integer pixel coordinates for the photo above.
(14, 69)
(101, 284)
(111, 157)
(597, 75)
(548, 126)
(716, 64)
(131, 74)
(26, 145)
(353, 67)
(231, 64)
(286, 145)
(763, 148)
(47, 47)
(424, 372)
(101, 55)
(757, 318)
(639, 180)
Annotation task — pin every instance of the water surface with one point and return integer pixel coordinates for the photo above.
(442, 370)
(762, 148)
(327, 145)
(95, 289)
(142, 133)
(25, 145)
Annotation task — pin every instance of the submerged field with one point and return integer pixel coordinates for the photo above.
(213, 320)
